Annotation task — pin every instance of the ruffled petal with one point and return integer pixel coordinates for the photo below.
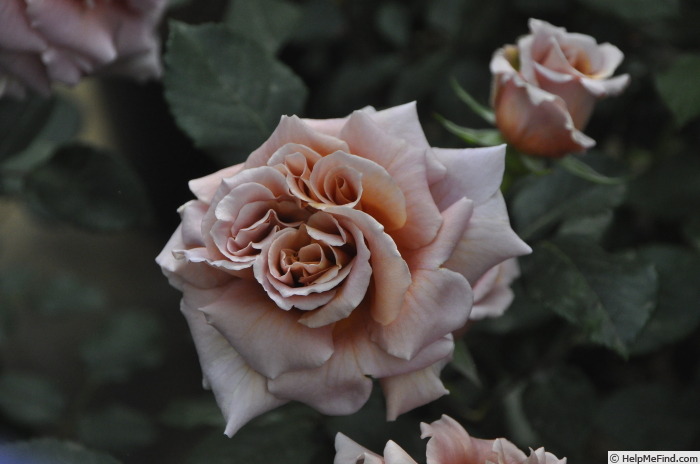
(239, 390)
(249, 320)
(450, 444)
(205, 187)
(408, 391)
(348, 451)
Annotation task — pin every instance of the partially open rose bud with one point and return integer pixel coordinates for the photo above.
(46, 41)
(545, 88)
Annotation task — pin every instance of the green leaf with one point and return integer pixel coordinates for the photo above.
(51, 451)
(574, 165)
(636, 10)
(464, 363)
(269, 22)
(481, 137)
(593, 226)
(394, 23)
(483, 111)
(285, 436)
(677, 313)
(30, 399)
(193, 412)
(609, 297)
(127, 343)
(65, 293)
(543, 202)
(649, 417)
(225, 90)
(20, 122)
(559, 404)
(680, 93)
(88, 188)
(116, 428)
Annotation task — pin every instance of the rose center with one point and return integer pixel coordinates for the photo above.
(578, 59)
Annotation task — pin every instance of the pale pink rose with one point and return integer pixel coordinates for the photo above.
(545, 88)
(492, 292)
(341, 250)
(449, 444)
(46, 41)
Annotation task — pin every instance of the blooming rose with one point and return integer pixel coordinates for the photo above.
(545, 87)
(341, 250)
(492, 292)
(449, 444)
(42, 41)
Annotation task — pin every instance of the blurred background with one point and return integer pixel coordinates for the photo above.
(94, 350)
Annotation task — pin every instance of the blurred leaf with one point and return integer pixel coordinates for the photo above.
(51, 451)
(269, 22)
(417, 80)
(679, 92)
(65, 293)
(322, 21)
(194, 412)
(30, 399)
(20, 122)
(524, 313)
(609, 297)
(677, 313)
(651, 417)
(480, 137)
(128, 342)
(636, 10)
(394, 23)
(669, 189)
(116, 428)
(559, 404)
(89, 188)
(464, 363)
(483, 111)
(593, 226)
(446, 15)
(286, 436)
(542, 202)
(574, 165)
(225, 90)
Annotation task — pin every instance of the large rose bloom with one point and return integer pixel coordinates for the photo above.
(342, 250)
(545, 88)
(45, 41)
(449, 444)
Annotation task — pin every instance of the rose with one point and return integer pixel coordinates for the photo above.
(545, 87)
(45, 41)
(492, 292)
(341, 249)
(449, 443)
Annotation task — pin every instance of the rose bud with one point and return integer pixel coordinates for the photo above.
(545, 87)
(46, 41)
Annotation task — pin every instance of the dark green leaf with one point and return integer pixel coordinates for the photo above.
(593, 226)
(610, 297)
(574, 165)
(51, 451)
(128, 342)
(394, 23)
(30, 399)
(66, 294)
(679, 92)
(649, 417)
(485, 113)
(480, 137)
(116, 428)
(678, 309)
(636, 10)
(192, 413)
(285, 436)
(559, 404)
(464, 363)
(20, 122)
(543, 202)
(268, 22)
(225, 90)
(88, 188)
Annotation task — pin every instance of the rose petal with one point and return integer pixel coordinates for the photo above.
(408, 391)
(450, 444)
(247, 318)
(205, 187)
(16, 34)
(492, 292)
(239, 390)
(488, 240)
(393, 454)
(349, 452)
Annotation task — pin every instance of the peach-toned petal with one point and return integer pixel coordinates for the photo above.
(507, 453)
(450, 444)
(402, 121)
(437, 302)
(489, 240)
(407, 166)
(205, 187)
(349, 452)
(474, 173)
(540, 456)
(291, 129)
(408, 391)
(492, 292)
(394, 454)
(247, 318)
(16, 33)
(239, 390)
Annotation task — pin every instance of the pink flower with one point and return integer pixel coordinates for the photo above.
(449, 444)
(341, 250)
(492, 292)
(46, 41)
(545, 88)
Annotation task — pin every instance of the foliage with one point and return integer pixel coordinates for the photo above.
(600, 349)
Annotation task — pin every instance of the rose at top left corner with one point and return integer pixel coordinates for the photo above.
(44, 42)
